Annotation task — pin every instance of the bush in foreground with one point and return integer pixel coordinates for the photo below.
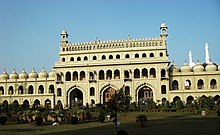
(3, 120)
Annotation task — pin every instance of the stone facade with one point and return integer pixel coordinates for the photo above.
(91, 72)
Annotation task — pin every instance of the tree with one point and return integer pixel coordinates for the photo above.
(119, 102)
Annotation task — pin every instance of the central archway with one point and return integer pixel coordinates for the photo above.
(107, 94)
(145, 95)
(76, 98)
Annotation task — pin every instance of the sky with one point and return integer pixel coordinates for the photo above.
(30, 29)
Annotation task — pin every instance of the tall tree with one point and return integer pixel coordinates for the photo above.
(119, 102)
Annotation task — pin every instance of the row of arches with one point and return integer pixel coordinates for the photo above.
(110, 57)
(199, 85)
(115, 74)
(30, 90)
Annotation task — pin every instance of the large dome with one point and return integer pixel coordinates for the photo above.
(211, 67)
(174, 68)
(186, 68)
(33, 74)
(43, 74)
(13, 75)
(198, 67)
(23, 75)
(4, 75)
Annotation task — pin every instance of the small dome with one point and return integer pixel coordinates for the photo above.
(163, 25)
(13, 75)
(4, 75)
(186, 68)
(23, 75)
(174, 68)
(43, 74)
(211, 67)
(33, 74)
(198, 67)
(52, 74)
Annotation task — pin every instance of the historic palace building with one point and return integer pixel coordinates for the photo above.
(91, 72)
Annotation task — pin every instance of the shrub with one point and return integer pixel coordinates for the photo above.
(39, 120)
(101, 117)
(3, 120)
(74, 120)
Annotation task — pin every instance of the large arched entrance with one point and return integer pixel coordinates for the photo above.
(107, 94)
(76, 98)
(145, 95)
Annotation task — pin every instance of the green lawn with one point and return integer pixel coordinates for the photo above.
(158, 123)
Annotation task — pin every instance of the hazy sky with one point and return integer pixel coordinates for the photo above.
(30, 29)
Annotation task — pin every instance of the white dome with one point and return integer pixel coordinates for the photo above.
(13, 75)
(163, 25)
(4, 75)
(43, 74)
(211, 67)
(198, 67)
(23, 75)
(33, 74)
(186, 68)
(52, 74)
(174, 68)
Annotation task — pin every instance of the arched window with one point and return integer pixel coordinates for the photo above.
(116, 74)
(103, 57)
(136, 55)
(101, 75)
(200, 84)
(78, 59)
(92, 91)
(127, 90)
(161, 54)
(117, 56)
(68, 76)
(20, 90)
(41, 89)
(163, 73)
(71, 59)
(110, 57)
(2, 90)
(59, 78)
(127, 56)
(144, 55)
(59, 92)
(163, 89)
(151, 54)
(144, 73)
(82, 75)
(126, 74)
(11, 90)
(152, 73)
(85, 58)
(175, 85)
(136, 73)
(109, 75)
(63, 59)
(30, 89)
(213, 84)
(187, 84)
(94, 58)
(91, 76)
(75, 76)
(51, 88)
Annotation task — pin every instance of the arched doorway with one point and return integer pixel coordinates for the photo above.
(107, 94)
(189, 99)
(76, 98)
(145, 95)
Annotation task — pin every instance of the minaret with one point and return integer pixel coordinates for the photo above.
(207, 58)
(64, 35)
(191, 63)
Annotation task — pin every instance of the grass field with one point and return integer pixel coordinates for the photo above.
(175, 123)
